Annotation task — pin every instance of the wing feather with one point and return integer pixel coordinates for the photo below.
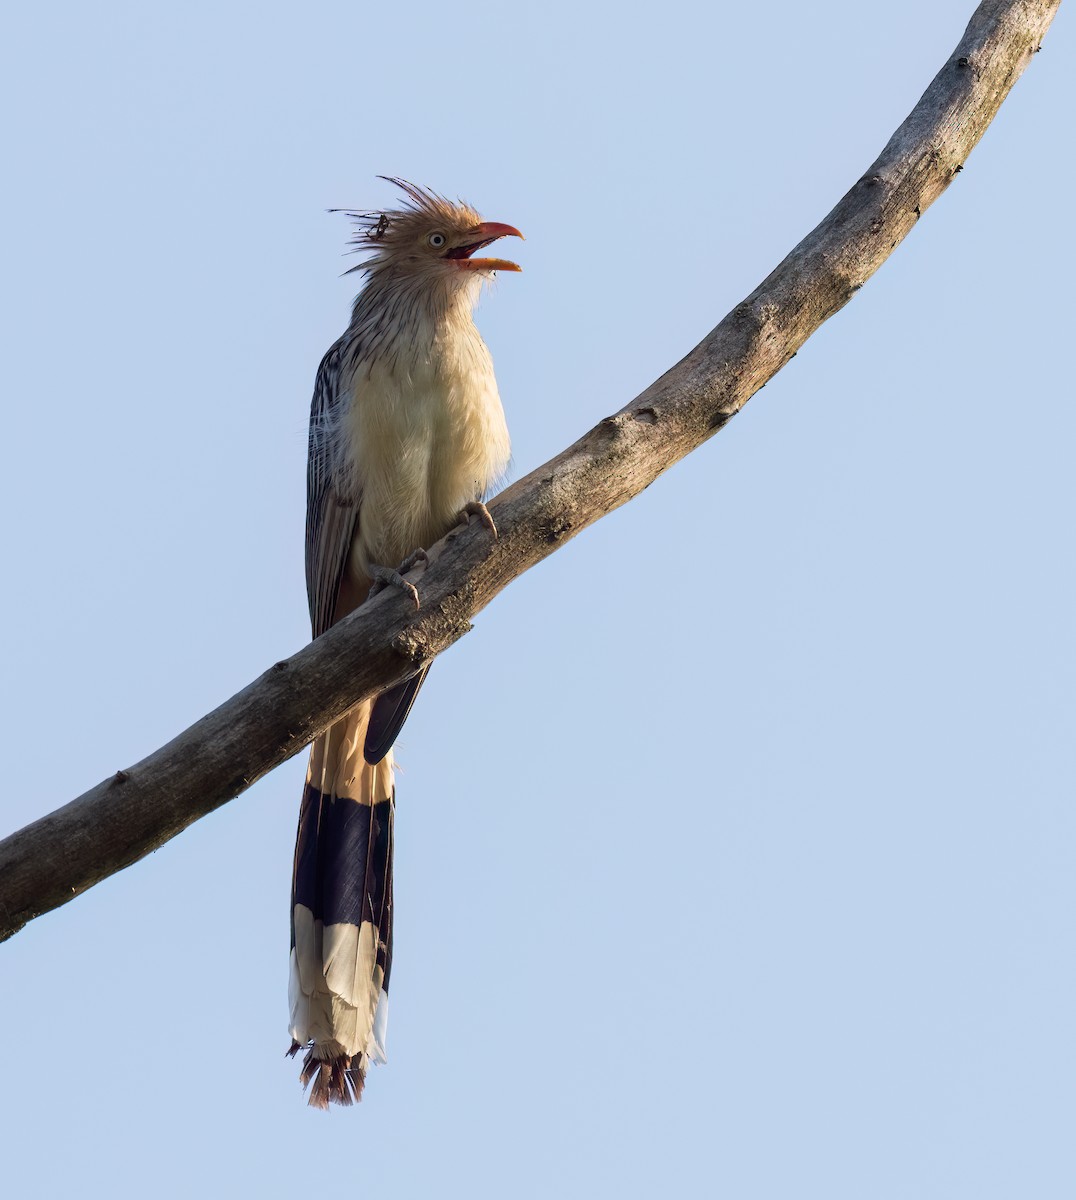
(332, 498)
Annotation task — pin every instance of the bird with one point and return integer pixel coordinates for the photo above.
(407, 436)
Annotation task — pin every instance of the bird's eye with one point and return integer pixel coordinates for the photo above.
(437, 240)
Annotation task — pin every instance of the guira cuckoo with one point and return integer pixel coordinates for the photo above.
(407, 435)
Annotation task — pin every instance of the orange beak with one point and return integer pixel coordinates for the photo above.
(480, 236)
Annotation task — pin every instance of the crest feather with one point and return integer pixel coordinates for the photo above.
(381, 231)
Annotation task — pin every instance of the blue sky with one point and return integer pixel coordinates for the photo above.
(735, 842)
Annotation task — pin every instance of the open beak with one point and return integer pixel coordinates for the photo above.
(488, 231)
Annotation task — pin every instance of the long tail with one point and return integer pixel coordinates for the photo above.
(341, 924)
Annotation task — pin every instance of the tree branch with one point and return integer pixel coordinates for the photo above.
(114, 824)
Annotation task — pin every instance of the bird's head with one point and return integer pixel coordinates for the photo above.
(428, 238)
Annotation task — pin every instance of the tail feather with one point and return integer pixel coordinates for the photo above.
(331, 1081)
(341, 955)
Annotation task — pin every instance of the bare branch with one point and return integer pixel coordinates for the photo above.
(137, 810)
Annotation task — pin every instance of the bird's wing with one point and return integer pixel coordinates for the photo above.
(333, 504)
(388, 714)
(332, 507)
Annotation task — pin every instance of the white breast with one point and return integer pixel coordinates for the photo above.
(425, 433)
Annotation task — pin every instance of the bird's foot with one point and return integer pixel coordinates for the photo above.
(475, 508)
(384, 577)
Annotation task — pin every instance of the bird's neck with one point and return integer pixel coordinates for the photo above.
(391, 309)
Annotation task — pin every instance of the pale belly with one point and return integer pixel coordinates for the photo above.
(421, 452)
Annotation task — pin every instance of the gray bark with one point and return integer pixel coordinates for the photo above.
(55, 858)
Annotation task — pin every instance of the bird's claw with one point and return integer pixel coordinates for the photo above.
(384, 577)
(475, 508)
